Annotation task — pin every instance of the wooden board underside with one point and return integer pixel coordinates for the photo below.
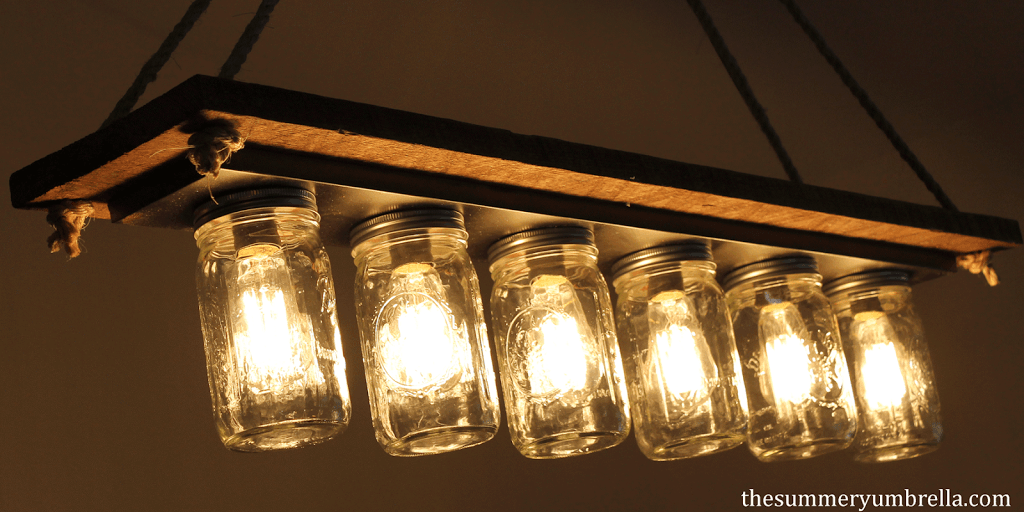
(140, 159)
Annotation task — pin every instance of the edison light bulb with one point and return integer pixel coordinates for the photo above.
(679, 359)
(790, 368)
(880, 372)
(274, 342)
(551, 350)
(418, 345)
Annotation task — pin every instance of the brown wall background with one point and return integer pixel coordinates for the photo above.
(103, 394)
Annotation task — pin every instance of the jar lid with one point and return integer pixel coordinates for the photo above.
(540, 237)
(775, 267)
(869, 279)
(250, 199)
(683, 251)
(405, 219)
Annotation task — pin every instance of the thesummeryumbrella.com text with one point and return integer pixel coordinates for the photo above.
(907, 499)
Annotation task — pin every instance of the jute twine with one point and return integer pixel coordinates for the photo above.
(978, 263)
(68, 219)
(212, 145)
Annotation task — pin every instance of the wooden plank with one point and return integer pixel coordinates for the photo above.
(107, 163)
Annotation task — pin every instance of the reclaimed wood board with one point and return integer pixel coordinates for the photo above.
(140, 159)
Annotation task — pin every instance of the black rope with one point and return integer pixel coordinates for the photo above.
(740, 81)
(249, 37)
(869, 106)
(156, 62)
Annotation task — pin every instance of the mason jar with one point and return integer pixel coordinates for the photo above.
(428, 363)
(267, 305)
(560, 367)
(686, 388)
(798, 385)
(890, 366)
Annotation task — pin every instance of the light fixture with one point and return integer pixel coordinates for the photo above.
(363, 160)
(428, 364)
(686, 388)
(557, 353)
(266, 298)
(889, 364)
(798, 386)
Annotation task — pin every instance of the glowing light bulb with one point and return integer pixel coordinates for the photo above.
(418, 345)
(273, 342)
(788, 361)
(880, 372)
(798, 367)
(883, 382)
(560, 363)
(264, 345)
(550, 345)
(679, 359)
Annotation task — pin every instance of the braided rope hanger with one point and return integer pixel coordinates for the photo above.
(214, 143)
(156, 62)
(247, 40)
(869, 106)
(975, 262)
(740, 81)
(209, 147)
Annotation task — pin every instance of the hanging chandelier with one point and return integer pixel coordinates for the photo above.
(748, 309)
(764, 357)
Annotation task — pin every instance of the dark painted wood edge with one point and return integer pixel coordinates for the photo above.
(84, 156)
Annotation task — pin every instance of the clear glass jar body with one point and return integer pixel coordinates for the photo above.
(560, 367)
(428, 365)
(267, 304)
(798, 385)
(686, 388)
(892, 374)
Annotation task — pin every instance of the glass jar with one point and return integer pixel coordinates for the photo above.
(560, 366)
(686, 388)
(798, 386)
(267, 304)
(890, 366)
(428, 364)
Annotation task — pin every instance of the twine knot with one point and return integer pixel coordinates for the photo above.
(978, 263)
(212, 146)
(68, 219)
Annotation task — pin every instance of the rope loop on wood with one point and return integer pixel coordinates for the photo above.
(212, 145)
(68, 219)
(978, 263)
